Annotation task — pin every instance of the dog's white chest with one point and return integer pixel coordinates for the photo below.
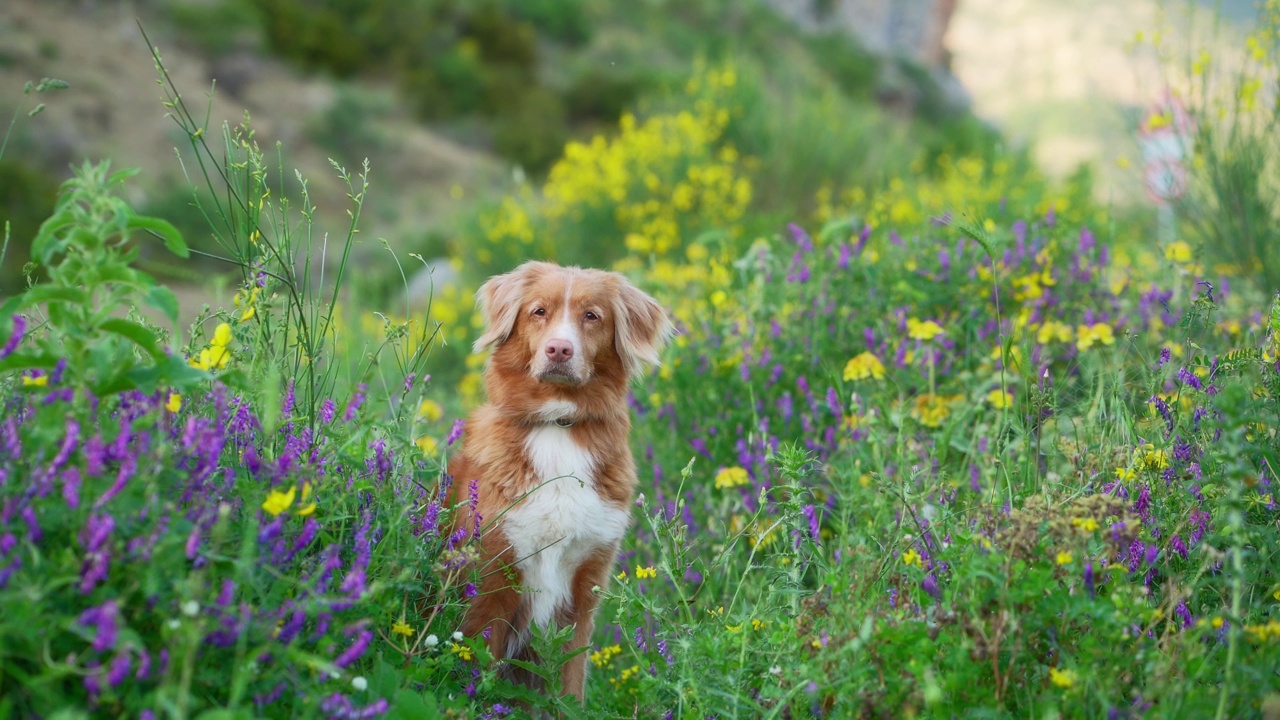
(561, 522)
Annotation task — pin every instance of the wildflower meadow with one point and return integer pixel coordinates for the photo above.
(961, 443)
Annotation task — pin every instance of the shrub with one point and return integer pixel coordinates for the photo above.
(1234, 201)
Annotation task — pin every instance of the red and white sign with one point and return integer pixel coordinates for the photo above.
(1165, 139)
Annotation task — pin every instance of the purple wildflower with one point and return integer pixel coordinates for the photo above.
(340, 707)
(94, 537)
(105, 619)
(455, 432)
(357, 400)
(815, 522)
(430, 519)
(15, 337)
(287, 409)
(357, 649)
(1186, 377)
(119, 669)
(327, 409)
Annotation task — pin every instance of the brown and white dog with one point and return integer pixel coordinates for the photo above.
(551, 450)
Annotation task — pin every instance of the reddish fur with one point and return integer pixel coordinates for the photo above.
(628, 335)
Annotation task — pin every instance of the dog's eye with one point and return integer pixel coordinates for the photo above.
(540, 312)
(592, 316)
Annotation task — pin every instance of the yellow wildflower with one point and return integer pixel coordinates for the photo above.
(1062, 678)
(221, 335)
(911, 557)
(1178, 252)
(1154, 459)
(247, 303)
(307, 507)
(461, 651)
(646, 572)
(430, 410)
(1089, 335)
(605, 655)
(1086, 524)
(1000, 399)
(930, 409)
(427, 444)
(1053, 330)
(277, 502)
(38, 381)
(757, 624)
(1125, 474)
(402, 628)
(863, 366)
(1063, 558)
(174, 404)
(731, 477)
(926, 330)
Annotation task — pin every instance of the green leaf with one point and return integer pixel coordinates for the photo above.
(411, 705)
(120, 176)
(28, 361)
(44, 243)
(162, 228)
(51, 294)
(139, 334)
(162, 298)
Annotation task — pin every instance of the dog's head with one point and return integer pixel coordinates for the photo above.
(564, 324)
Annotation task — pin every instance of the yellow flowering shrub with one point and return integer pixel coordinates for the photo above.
(651, 188)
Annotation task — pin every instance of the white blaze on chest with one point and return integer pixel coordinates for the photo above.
(561, 522)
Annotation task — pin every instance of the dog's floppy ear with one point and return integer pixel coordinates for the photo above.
(499, 302)
(641, 327)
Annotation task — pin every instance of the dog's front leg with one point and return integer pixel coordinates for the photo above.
(592, 574)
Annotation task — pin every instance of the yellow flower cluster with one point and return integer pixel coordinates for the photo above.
(1263, 633)
(1096, 334)
(863, 366)
(1051, 331)
(605, 655)
(216, 354)
(1064, 679)
(731, 477)
(912, 558)
(663, 178)
(462, 651)
(1000, 399)
(646, 572)
(626, 675)
(923, 330)
(930, 409)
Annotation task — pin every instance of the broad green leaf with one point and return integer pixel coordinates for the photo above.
(139, 334)
(167, 232)
(28, 361)
(50, 294)
(162, 298)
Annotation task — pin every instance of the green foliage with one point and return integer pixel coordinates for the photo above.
(216, 27)
(1232, 204)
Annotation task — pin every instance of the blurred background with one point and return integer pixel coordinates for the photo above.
(464, 108)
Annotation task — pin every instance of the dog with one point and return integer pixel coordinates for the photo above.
(549, 453)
